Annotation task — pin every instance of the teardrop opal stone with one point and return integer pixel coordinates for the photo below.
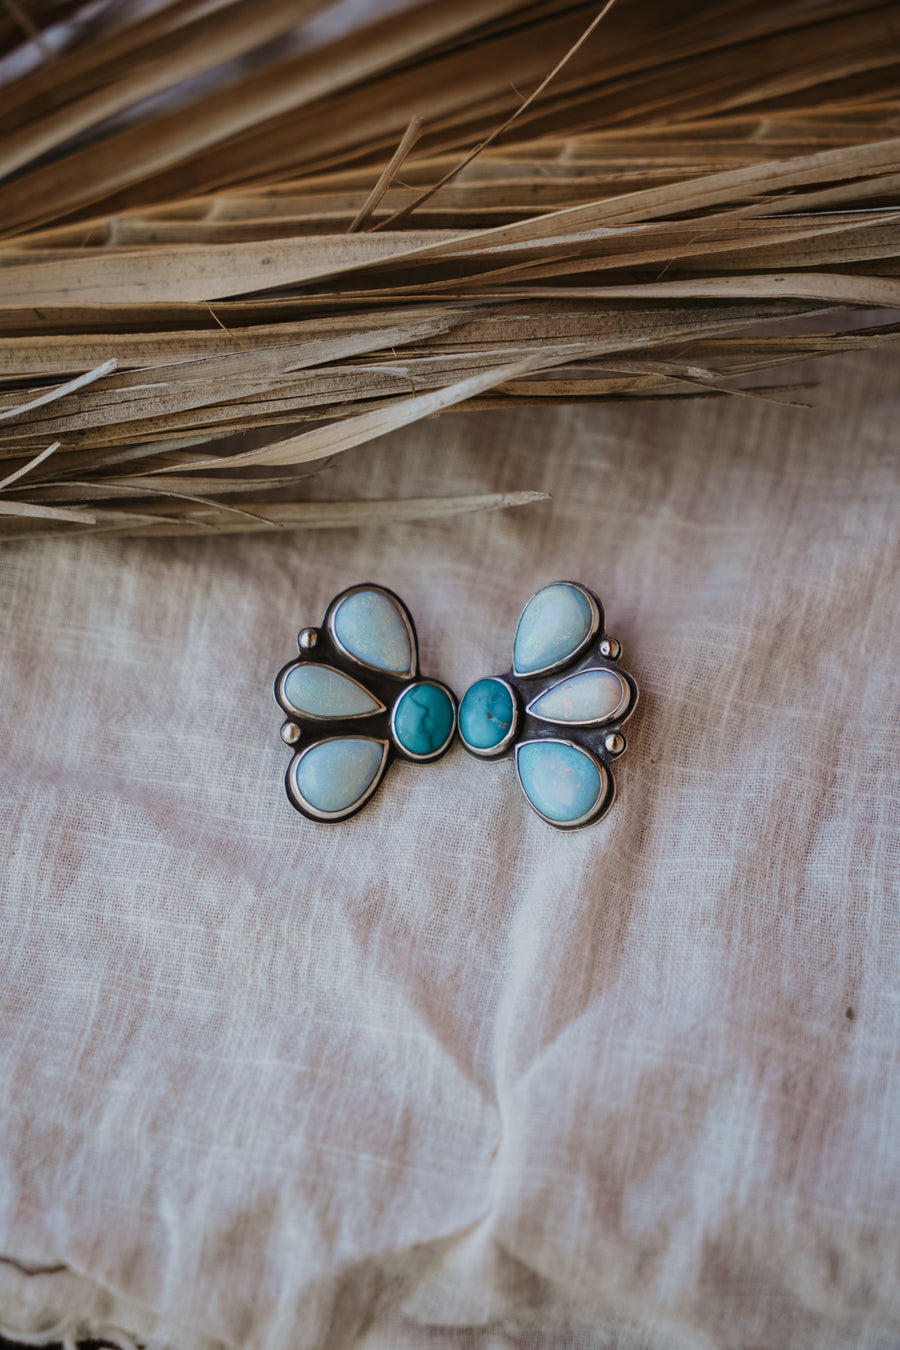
(591, 697)
(335, 774)
(555, 623)
(370, 626)
(562, 782)
(486, 713)
(424, 718)
(322, 691)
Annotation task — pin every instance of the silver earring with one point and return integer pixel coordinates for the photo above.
(355, 701)
(559, 711)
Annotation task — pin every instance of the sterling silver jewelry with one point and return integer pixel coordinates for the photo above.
(355, 702)
(559, 711)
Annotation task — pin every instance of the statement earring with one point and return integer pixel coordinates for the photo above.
(559, 710)
(355, 702)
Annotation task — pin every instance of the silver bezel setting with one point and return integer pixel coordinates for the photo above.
(593, 629)
(495, 750)
(288, 706)
(357, 804)
(434, 754)
(616, 713)
(367, 665)
(601, 806)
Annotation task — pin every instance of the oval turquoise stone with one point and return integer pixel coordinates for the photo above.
(486, 713)
(554, 624)
(562, 782)
(423, 720)
(371, 627)
(334, 774)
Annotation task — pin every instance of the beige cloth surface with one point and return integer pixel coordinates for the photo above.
(442, 1076)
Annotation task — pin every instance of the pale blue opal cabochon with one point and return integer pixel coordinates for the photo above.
(563, 783)
(592, 697)
(322, 691)
(370, 626)
(554, 624)
(424, 718)
(486, 713)
(334, 774)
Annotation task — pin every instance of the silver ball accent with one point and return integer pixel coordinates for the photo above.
(609, 647)
(614, 743)
(307, 639)
(290, 733)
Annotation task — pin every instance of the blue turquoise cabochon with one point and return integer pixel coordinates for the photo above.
(321, 691)
(372, 628)
(486, 713)
(555, 624)
(424, 719)
(334, 776)
(563, 783)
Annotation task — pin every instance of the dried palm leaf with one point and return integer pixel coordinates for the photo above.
(223, 258)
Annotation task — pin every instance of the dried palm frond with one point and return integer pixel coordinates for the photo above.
(223, 257)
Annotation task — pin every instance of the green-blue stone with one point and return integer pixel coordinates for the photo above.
(561, 781)
(486, 714)
(423, 719)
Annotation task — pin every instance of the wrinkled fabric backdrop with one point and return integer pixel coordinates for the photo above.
(443, 1076)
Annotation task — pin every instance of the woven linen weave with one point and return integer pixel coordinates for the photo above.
(442, 1076)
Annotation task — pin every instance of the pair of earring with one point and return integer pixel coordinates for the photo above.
(558, 711)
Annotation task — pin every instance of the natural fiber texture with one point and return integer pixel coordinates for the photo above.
(442, 1076)
(486, 201)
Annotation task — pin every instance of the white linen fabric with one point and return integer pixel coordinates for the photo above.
(441, 1075)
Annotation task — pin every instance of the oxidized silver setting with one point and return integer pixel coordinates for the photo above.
(600, 737)
(306, 729)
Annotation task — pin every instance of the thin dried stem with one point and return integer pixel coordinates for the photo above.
(32, 464)
(410, 136)
(494, 135)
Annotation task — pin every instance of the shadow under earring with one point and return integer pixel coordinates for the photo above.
(560, 709)
(355, 702)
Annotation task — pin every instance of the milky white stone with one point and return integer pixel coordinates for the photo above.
(563, 783)
(371, 627)
(554, 624)
(592, 697)
(335, 774)
(322, 691)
